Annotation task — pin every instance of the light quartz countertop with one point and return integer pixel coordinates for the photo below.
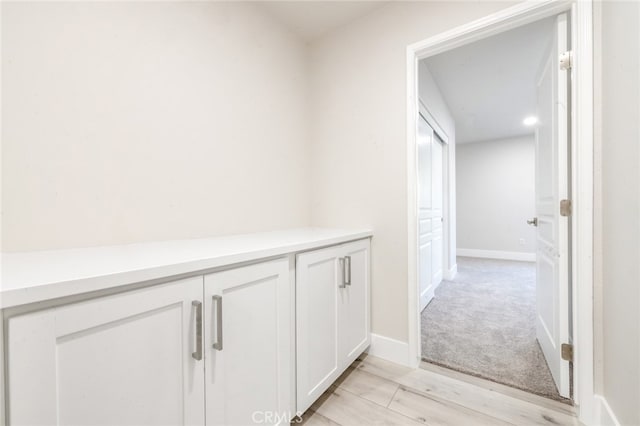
(31, 277)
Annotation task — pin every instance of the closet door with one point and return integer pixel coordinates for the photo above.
(126, 359)
(317, 306)
(425, 212)
(437, 212)
(248, 345)
(430, 211)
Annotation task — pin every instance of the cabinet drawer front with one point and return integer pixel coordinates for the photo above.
(248, 342)
(122, 359)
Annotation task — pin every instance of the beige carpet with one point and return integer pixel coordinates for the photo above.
(483, 323)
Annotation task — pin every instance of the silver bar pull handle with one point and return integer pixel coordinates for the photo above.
(217, 345)
(347, 267)
(197, 355)
(343, 268)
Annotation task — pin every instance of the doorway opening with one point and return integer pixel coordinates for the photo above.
(581, 186)
(495, 296)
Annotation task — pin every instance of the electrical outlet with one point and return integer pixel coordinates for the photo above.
(521, 241)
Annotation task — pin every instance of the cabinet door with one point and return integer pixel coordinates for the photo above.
(248, 345)
(318, 363)
(354, 320)
(125, 359)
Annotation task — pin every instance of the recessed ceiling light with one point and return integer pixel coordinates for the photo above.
(530, 121)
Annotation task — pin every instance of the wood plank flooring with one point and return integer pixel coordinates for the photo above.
(377, 392)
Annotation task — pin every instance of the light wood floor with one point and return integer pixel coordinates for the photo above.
(377, 392)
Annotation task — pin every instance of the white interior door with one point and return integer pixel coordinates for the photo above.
(430, 199)
(552, 186)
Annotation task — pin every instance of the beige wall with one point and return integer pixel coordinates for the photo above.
(496, 193)
(358, 128)
(139, 121)
(146, 121)
(618, 120)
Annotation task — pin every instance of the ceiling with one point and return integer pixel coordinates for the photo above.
(312, 19)
(489, 85)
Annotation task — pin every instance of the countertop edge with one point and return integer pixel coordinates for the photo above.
(60, 289)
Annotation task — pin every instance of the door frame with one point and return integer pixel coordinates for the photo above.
(582, 185)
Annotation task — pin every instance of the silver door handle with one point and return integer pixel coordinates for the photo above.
(345, 264)
(347, 267)
(197, 355)
(217, 345)
(533, 222)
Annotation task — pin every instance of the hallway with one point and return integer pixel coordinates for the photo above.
(483, 323)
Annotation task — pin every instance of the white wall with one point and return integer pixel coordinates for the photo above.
(618, 216)
(431, 98)
(496, 194)
(358, 104)
(143, 121)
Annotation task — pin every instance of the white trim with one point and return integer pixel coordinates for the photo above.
(582, 194)
(496, 254)
(603, 412)
(452, 272)
(413, 110)
(389, 349)
(504, 20)
(582, 171)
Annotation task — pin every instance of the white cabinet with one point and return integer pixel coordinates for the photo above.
(149, 357)
(216, 349)
(332, 315)
(354, 322)
(119, 360)
(317, 286)
(248, 343)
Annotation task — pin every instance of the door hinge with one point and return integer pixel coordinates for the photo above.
(566, 60)
(566, 349)
(565, 207)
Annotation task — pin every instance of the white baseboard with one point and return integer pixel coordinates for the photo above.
(389, 349)
(451, 273)
(603, 414)
(495, 254)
